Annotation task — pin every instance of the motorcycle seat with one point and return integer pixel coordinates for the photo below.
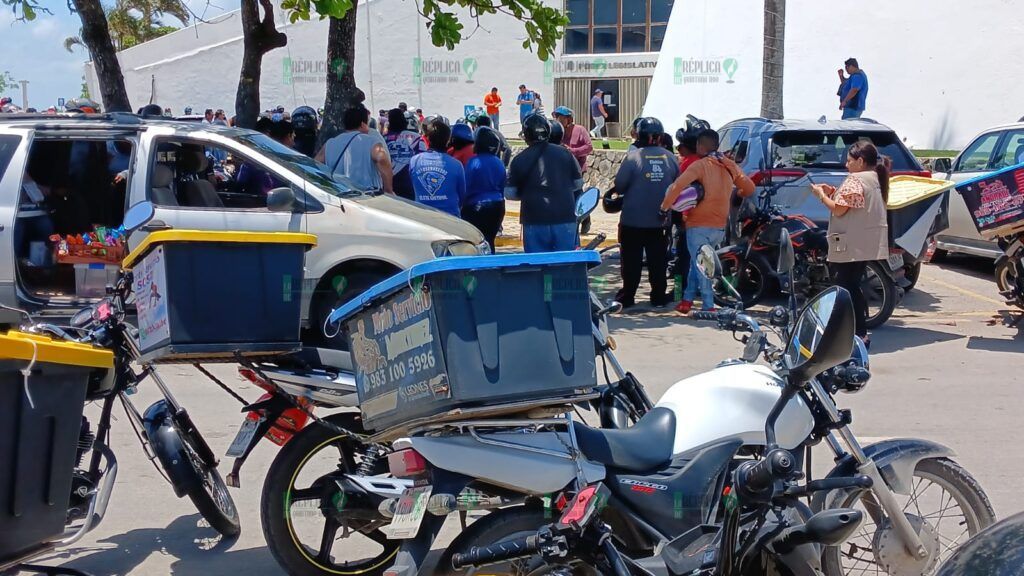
(319, 359)
(644, 446)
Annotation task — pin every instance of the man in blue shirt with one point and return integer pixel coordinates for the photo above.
(527, 102)
(853, 90)
(438, 180)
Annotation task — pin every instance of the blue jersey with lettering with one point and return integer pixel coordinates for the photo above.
(439, 181)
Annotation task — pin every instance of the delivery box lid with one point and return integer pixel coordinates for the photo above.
(906, 190)
(165, 236)
(16, 345)
(457, 263)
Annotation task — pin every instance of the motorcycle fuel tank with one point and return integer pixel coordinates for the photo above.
(733, 402)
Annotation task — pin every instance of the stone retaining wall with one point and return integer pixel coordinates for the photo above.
(602, 166)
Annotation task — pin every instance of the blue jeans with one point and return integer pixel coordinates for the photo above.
(695, 238)
(494, 120)
(549, 237)
(849, 113)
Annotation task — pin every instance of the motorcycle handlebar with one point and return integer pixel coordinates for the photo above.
(595, 242)
(500, 552)
(705, 315)
(761, 475)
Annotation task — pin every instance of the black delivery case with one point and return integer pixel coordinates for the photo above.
(40, 424)
(209, 295)
(471, 331)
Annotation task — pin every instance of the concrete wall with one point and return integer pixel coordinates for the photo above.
(395, 61)
(940, 71)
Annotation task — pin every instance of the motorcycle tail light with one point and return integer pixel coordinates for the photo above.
(579, 508)
(251, 376)
(777, 176)
(407, 463)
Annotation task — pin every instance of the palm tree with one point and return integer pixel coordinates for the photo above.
(774, 58)
(132, 22)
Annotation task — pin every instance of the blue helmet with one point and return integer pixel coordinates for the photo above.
(462, 132)
(563, 111)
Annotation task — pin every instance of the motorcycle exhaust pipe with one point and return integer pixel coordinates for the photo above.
(828, 527)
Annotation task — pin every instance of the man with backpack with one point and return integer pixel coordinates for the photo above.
(706, 222)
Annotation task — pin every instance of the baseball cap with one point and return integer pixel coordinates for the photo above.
(563, 111)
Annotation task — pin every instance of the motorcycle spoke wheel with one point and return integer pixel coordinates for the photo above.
(210, 495)
(942, 495)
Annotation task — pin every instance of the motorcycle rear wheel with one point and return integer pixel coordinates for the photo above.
(880, 293)
(1007, 281)
(857, 555)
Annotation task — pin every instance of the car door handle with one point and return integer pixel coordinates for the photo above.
(156, 226)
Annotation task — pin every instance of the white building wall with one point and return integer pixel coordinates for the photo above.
(199, 65)
(940, 71)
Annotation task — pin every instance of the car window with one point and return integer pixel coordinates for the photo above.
(192, 174)
(302, 165)
(977, 156)
(8, 145)
(827, 149)
(1011, 150)
(730, 138)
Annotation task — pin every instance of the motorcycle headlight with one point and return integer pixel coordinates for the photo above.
(444, 248)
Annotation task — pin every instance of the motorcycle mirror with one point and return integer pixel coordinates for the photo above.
(586, 203)
(708, 263)
(137, 216)
(787, 258)
(823, 337)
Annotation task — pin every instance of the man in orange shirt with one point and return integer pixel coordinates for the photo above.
(706, 222)
(493, 103)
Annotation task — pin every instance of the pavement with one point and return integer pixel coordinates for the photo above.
(947, 368)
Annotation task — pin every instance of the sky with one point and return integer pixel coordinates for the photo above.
(34, 51)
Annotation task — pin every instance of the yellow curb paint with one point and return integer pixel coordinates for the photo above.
(967, 292)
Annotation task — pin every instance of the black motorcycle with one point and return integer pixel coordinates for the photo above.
(1010, 270)
(167, 433)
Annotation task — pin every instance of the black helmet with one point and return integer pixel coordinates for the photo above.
(487, 140)
(536, 128)
(304, 119)
(151, 111)
(483, 120)
(649, 130)
(557, 132)
(612, 201)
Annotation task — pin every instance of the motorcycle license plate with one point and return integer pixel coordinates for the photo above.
(412, 506)
(243, 438)
(895, 262)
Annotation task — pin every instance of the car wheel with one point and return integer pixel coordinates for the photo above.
(332, 293)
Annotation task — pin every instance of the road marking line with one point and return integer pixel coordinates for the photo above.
(966, 292)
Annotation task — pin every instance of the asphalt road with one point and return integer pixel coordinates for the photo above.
(946, 368)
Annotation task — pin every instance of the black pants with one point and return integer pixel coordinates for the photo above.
(849, 275)
(487, 217)
(636, 242)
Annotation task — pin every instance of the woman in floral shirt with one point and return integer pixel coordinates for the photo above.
(857, 229)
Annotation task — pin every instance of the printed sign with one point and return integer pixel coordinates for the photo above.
(151, 299)
(995, 200)
(397, 353)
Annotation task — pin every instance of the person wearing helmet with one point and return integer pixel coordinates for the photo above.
(403, 143)
(705, 223)
(506, 151)
(557, 135)
(438, 179)
(642, 180)
(680, 262)
(462, 143)
(576, 138)
(304, 123)
(151, 111)
(485, 185)
(546, 180)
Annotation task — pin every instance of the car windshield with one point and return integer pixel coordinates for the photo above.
(302, 166)
(827, 149)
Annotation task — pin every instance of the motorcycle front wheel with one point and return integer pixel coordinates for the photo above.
(311, 527)
(945, 504)
(210, 494)
(1008, 281)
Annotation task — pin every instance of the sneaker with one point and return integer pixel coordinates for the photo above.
(712, 309)
(684, 307)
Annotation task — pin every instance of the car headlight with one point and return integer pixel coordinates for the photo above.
(444, 248)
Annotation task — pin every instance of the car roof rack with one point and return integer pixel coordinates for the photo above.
(115, 117)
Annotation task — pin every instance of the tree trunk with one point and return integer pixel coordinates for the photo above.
(342, 92)
(96, 36)
(259, 37)
(774, 58)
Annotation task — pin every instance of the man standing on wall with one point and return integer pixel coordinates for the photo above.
(492, 102)
(853, 90)
(599, 114)
(527, 101)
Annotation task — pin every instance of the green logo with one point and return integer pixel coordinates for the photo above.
(286, 285)
(730, 65)
(547, 288)
(286, 65)
(469, 284)
(338, 501)
(677, 71)
(337, 66)
(417, 71)
(549, 71)
(600, 66)
(469, 65)
(339, 283)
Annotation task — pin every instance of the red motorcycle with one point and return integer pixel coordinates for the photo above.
(749, 264)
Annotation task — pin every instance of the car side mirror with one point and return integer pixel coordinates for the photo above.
(281, 200)
(942, 165)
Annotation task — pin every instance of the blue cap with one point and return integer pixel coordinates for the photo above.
(462, 132)
(563, 111)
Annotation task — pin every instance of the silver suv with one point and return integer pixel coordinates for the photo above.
(86, 170)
